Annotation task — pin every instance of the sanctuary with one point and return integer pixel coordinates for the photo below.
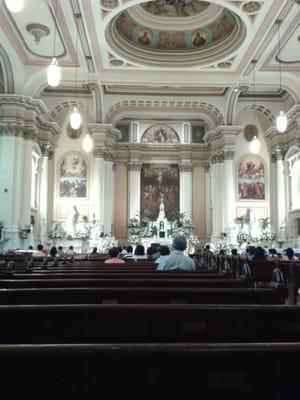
(143, 115)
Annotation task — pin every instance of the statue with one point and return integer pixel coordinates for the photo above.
(96, 231)
(72, 220)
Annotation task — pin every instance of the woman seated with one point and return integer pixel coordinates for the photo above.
(139, 253)
(114, 257)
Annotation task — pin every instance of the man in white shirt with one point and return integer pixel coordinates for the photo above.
(177, 261)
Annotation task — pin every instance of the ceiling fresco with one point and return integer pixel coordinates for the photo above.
(175, 8)
(168, 40)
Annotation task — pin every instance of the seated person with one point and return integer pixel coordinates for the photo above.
(177, 261)
(160, 261)
(152, 253)
(289, 255)
(39, 252)
(53, 252)
(259, 254)
(71, 251)
(273, 253)
(60, 252)
(234, 252)
(139, 253)
(94, 253)
(129, 253)
(114, 257)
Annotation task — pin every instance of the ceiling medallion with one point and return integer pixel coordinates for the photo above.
(252, 7)
(109, 4)
(249, 132)
(38, 31)
(224, 64)
(115, 62)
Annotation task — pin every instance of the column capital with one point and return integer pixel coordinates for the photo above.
(280, 154)
(207, 167)
(186, 167)
(134, 166)
(107, 155)
(217, 157)
(229, 155)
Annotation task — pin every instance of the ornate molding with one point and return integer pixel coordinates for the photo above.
(104, 153)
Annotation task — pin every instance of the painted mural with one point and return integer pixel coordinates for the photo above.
(160, 134)
(158, 183)
(73, 176)
(175, 8)
(251, 178)
(167, 40)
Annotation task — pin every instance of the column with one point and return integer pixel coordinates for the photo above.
(217, 176)
(120, 214)
(109, 184)
(281, 188)
(99, 184)
(199, 200)
(273, 194)
(208, 204)
(44, 205)
(134, 189)
(228, 204)
(186, 189)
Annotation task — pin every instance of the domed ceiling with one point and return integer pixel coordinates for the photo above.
(176, 33)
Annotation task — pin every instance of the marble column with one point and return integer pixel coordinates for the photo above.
(199, 193)
(99, 185)
(208, 203)
(186, 189)
(120, 214)
(281, 190)
(228, 204)
(44, 205)
(109, 198)
(134, 189)
(217, 177)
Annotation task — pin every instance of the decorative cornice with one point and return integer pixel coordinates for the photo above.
(104, 153)
(105, 129)
(24, 101)
(223, 132)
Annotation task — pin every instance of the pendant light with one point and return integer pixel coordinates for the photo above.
(87, 143)
(281, 120)
(54, 71)
(15, 6)
(75, 118)
(255, 143)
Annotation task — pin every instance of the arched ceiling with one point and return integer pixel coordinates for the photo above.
(182, 33)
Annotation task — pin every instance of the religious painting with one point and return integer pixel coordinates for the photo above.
(159, 186)
(198, 38)
(145, 37)
(251, 176)
(160, 134)
(73, 174)
(171, 8)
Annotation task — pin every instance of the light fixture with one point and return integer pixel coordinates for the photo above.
(54, 71)
(75, 118)
(87, 143)
(14, 6)
(254, 145)
(281, 120)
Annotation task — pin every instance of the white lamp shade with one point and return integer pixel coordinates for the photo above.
(54, 73)
(87, 143)
(281, 122)
(75, 119)
(255, 145)
(14, 5)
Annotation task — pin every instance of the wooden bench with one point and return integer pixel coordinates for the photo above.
(148, 323)
(142, 295)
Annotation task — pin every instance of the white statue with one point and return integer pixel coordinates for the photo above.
(96, 231)
(72, 220)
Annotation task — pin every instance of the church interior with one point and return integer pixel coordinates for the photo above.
(132, 122)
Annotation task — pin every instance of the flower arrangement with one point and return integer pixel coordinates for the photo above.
(81, 235)
(57, 231)
(224, 245)
(268, 237)
(243, 237)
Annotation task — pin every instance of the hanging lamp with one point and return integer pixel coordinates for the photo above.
(15, 6)
(255, 143)
(54, 71)
(281, 119)
(75, 118)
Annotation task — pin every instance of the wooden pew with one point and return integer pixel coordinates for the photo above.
(142, 295)
(148, 371)
(148, 323)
